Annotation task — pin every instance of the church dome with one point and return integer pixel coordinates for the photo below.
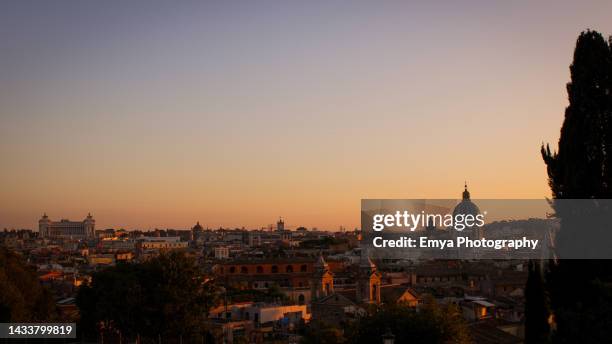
(197, 227)
(466, 206)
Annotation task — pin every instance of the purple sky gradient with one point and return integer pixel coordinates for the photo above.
(159, 114)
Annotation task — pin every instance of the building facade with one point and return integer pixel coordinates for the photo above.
(66, 229)
(161, 243)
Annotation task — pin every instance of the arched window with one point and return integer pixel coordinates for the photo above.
(260, 269)
(274, 269)
(232, 269)
(303, 268)
(289, 269)
(301, 299)
(244, 270)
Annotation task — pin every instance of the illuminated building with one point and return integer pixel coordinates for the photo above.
(66, 228)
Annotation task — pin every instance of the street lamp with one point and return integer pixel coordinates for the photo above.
(388, 337)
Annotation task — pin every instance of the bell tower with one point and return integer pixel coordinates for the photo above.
(322, 280)
(280, 225)
(89, 226)
(43, 226)
(368, 280)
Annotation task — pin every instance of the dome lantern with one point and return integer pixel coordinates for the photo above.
(466, 206)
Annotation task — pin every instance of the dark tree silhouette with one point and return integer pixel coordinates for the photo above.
(165, 297)
(22, 297)
(579, 290)
(322, 333)
(432, 324)
(536, 309)
(581, 167)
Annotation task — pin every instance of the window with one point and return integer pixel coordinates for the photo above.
(244, 270)
(303, 268)
(289, 269)
(274, 269)
(301, 299)
(260, 269)
(232, 269)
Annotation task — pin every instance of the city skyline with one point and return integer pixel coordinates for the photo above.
(153, 115)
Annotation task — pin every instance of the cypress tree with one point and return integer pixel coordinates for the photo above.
(581, 167)
(580, 296)
(536, 306)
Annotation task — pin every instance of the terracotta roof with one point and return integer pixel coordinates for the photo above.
(336, 299)
(391, 293)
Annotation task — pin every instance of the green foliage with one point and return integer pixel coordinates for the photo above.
(432, 324)
(165, 296)
(274, 293)
(22, 297)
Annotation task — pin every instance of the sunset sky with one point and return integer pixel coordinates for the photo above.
(160, 113)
